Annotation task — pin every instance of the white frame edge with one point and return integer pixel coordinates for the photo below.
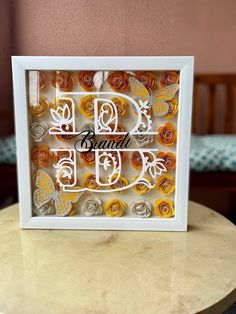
(182, 64)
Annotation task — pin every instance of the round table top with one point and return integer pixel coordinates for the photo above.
(101, 272)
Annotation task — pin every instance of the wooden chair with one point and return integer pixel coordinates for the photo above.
(214, 113)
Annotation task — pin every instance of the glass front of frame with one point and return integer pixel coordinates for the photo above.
(103, 143)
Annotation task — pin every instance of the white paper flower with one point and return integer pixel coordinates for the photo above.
(39, 131)
(143, 139)
(141, 208)
(92, 206)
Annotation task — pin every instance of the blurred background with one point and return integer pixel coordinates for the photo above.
(202, 28)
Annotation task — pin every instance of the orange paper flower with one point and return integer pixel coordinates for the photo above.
(141, 188)
(148, 79)
(39, 106)
(63, 137)
(118, 81)
(164, 208)
(89, 182)
(121, 182)
(88, 158)
(173, 108)
(165, 184)
(86, 106)
(136, 159)
(121, 105)
(41, 156)
(168, 78)
(169, 160)
(167, 134)
(63, 80)
(115, 208)
(122, 156)
(85, 79)
(61, 154)
(116, 137)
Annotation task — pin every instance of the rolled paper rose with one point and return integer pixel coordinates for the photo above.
(142, 208)
(165, 184)
(169, 78)
(63, 80)
(116, 137)
(92, 206)
(118, 81)
(58, 102)
(143, 139)
(85, 79)
(121, 105)
(88, 158)
(115, 208)
(86, 106)
(38, 79)
(167, 134)
(122, 156)
(169, 160)
(136, 159)
(148, 79)
(39, 131)
(66, 128)
(164, 208)
(173, 108)
(89, 181)
(120, 183)
(39, 106)
(46, 209)
(41, 156)
(141, 188)
(66, 180)
(61, 154)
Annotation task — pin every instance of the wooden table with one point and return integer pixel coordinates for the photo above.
(106, 272)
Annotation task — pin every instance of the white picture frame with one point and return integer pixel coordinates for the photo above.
(21, 64)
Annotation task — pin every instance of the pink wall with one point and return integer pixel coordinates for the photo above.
(203, 28)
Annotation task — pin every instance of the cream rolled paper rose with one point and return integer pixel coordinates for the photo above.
(92, 206)
(142, 208)
(143, 139)
(39, 131)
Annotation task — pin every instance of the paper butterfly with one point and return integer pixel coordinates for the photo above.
(47, 192)
(158, 100)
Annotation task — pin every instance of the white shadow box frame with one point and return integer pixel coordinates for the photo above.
(184, 65)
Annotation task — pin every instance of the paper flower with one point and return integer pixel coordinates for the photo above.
(85, 79)
(66, 128)
(60, 102)
(173, 108)
(141, 188)
(46, 209)
(148, 79)
(86, 106)
(165, 184)
(164, 208)
(41, 156)
(92, 206)
(122, 156)
(116, 137)
(61, 154)
(88, 158)
(136, 159)
(89, 181)
(65, 180)
(115, 208)
(169, 78)
(169, 160)
(39, 131)
(121, 105)
(118, 81)
(167, 134)
(63, 80)
(142, 208)
(39, 106)
(143, 139)
(121, 182)
(38, 80)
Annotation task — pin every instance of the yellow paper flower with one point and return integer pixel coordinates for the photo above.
(121, 105)
(58, 102)
(164, 208)
(89, 181)
(121, 182)
(141, 188)
(39, 106)
(86, 106)
(165, 184)
(115, 208)
(169, 160)
(173, 108)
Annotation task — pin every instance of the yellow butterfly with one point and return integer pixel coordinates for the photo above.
(158, 100)
(47, 192)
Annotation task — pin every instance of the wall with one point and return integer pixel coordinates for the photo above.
(203, 28)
